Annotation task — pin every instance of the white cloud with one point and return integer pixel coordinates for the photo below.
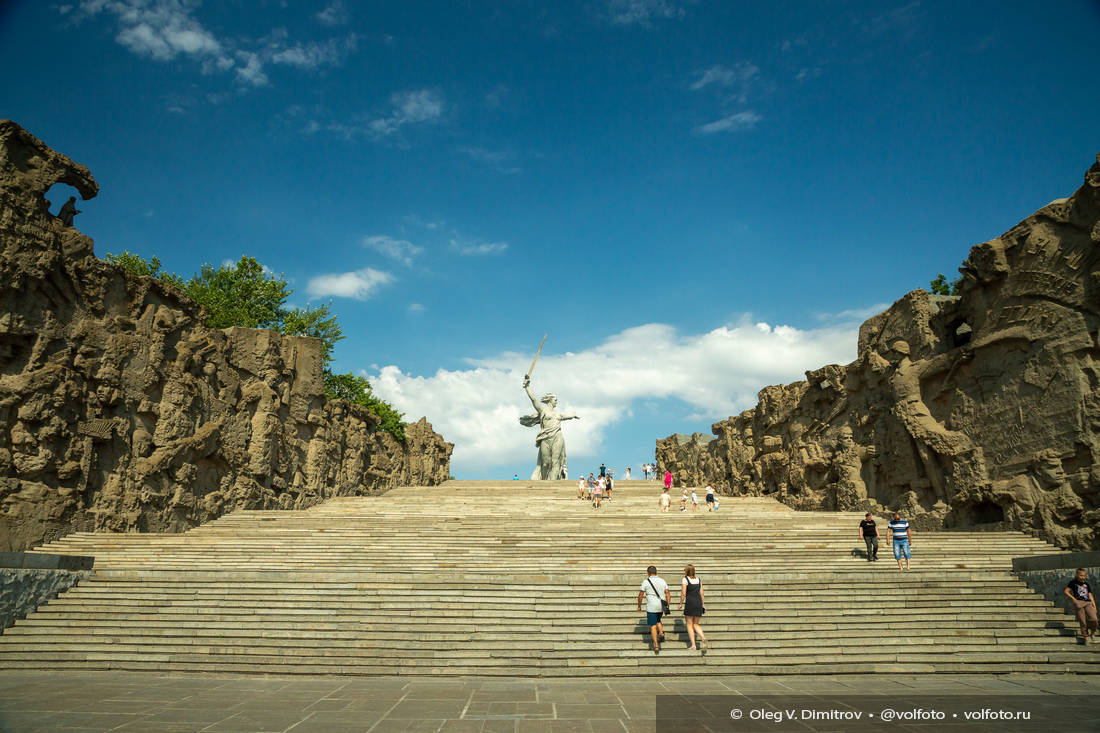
(853, 314)
(315, 55)
(739, 121)
(811, 72)
(251, 70)
(499, 160)
(903, 19)
(416, 308)
(158, 29)
(717, 373)
(359, 284)
(164, 30)
(742, 74)
(423, 105)
(335, 13)
(396, 249)
(642, 12)
(478, 248)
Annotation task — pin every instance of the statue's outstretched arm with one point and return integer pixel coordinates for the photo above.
(531, 395)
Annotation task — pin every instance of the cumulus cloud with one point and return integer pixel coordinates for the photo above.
(642, 12)
(396, 249)
(741, 76)
(164, 30)
(732, 123)
(360, 284)
(335, 13)
(423, 105)
(717, 374)
(503, 161)
(161, 30)
(476, 249)
(315, 55)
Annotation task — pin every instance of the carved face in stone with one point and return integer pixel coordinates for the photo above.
(1049, 471)
(845, 441)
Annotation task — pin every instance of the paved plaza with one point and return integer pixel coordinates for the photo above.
(118, 701)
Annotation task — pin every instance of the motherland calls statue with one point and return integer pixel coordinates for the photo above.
(550, 442)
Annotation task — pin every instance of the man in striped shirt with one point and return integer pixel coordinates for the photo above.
(900, 535)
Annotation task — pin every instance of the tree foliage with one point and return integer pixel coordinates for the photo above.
(940, 286)
(240, 295)
(316, 322)
(139, 266)
(357, 390)
(246, 294)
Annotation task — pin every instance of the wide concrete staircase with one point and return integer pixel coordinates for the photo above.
(510, 578)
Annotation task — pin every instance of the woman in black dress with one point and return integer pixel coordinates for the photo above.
(691, 600)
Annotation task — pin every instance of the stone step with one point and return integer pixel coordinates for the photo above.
(641, 662)
(717, 605)
(672, 664)
(298, 635)
(563, 652)
(505, 578)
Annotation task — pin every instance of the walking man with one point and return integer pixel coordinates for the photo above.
(655, 593)
(1084, 605)
(900, 537)
(868, 532)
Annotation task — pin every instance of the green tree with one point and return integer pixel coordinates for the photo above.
(245, 294)
(139, 266)
(357, 390)
(316, 322)
(240, 295)
(940, 286)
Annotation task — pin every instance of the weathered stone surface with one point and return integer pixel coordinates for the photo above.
(120, 411)
(960, 411)
(24, 590)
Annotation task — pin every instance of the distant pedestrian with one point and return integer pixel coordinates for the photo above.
(668, 479)
(684, 499)
(655, 593)
(710, 498)
(603, 470)
(694, 501)
(610, 485)
(900, 538)
(665, 501)
(591, 485)
(868, 532)
(691, 600)
(1084, 605)
(597, 495)
(515, 477)
(581, 484)
(626, 475)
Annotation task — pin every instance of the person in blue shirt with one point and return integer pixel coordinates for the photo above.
(900, 538)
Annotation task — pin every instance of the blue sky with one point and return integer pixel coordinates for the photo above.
(694, 198)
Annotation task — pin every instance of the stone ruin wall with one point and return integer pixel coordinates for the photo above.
(976, 410)
(120, 411)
